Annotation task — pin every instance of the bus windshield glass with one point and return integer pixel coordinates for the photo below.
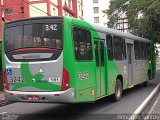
(39, 35)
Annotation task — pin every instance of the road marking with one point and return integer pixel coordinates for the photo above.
(154, 105)
(3, 113)
(144, 103)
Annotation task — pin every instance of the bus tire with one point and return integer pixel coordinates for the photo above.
(118, 91)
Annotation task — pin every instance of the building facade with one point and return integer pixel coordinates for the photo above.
(19, 9)
(122, 24)
(93, 11)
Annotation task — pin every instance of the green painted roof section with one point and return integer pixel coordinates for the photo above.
(80, 23)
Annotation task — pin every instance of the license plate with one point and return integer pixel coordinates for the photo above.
(33, 98)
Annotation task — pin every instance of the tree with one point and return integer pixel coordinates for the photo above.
(143, 16)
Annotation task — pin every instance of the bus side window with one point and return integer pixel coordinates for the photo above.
(148, 52)
(109, 47)
(142, 50)
(119, 48)
(137, 50)
(82, 44)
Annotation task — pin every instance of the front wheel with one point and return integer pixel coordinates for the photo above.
(118, 91)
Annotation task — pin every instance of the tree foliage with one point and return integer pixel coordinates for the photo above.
(143, 16)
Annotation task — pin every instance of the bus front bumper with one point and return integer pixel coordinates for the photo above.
(67, 96)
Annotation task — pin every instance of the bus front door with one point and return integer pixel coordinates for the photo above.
(130, 63)
(100, 68)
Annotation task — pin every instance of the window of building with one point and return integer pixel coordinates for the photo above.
(70, 3)
(96, 9)
(8, 11)
(82, 44)
(21, 9)
(65, 13)
(54, 11)
(65, 2)
(109, 47)
(79, 8)
(96, 19)
(95, 1)
(119, 48)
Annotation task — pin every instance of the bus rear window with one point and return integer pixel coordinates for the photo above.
(33, 35)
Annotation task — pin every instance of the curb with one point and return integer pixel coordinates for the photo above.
(4, 102)
(144, 103)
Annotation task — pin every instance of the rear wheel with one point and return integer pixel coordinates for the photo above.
(118, 91)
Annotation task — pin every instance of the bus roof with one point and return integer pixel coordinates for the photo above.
(118, 33)
(109, 30)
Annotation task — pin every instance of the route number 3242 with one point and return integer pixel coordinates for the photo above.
(50, 27)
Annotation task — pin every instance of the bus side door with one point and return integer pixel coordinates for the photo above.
(100, 67)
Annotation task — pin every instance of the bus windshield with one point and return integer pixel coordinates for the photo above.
(39, 35)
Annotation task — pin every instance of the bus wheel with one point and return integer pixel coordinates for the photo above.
(118, 91)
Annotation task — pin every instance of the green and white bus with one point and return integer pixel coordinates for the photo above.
(67, 60)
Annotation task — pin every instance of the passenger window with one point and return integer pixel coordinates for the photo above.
(119, 48)
(142, 50)
(109, 47)
(137, 50)
(148, 52)
(82, 44)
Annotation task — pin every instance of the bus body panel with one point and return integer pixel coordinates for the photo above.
(84, 72)
(123, 71)
(66, 96)
(37, 76)
(141, 71)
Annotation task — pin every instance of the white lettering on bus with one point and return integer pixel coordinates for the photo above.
(83, 75)
(51, 27)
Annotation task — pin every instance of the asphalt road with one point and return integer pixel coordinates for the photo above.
(100, 110)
